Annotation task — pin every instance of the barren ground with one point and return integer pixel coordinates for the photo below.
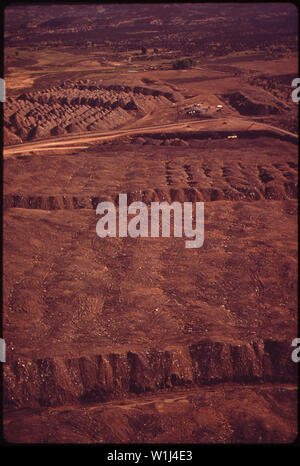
(123, 340)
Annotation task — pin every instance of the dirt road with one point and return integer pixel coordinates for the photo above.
(201, 125)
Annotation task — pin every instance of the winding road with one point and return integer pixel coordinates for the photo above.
(67, 142)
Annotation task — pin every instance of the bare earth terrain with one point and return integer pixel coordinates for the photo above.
(141, 340)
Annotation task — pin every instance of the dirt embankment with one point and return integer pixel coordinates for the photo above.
(288, 191)
(57, 381)
(249, 104)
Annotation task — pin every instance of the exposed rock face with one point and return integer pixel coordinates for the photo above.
(253, 362)
(57, 381)
(246, 105)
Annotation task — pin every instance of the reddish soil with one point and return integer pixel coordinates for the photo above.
(124, 340)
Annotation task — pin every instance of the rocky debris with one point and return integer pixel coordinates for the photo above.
(179, 142)
(39, 132)
(187, 194)
(78, 106)
(57, 131)
(10, 138)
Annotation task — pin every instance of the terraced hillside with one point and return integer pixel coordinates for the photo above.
(78, 107)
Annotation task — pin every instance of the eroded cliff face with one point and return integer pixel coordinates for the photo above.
(58, 381)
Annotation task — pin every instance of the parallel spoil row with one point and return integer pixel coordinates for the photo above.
(76, 107)
(152, 195)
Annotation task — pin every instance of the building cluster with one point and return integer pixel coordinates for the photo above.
(200, 110)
